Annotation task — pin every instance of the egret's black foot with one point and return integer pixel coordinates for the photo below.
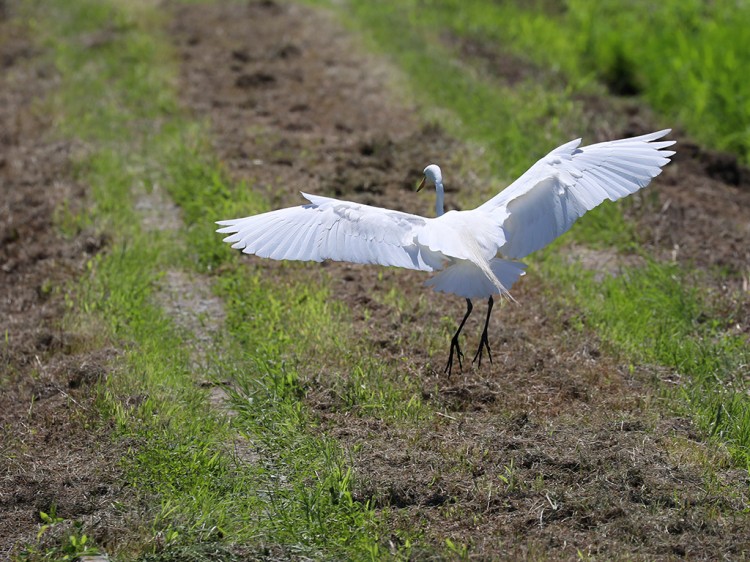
(483, 343)
(459, 354)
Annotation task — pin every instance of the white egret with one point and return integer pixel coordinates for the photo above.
(474, 251)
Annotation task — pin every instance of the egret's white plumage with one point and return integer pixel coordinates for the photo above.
(475, 251)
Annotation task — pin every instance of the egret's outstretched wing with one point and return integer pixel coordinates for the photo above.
(545, 201)
(330, 229)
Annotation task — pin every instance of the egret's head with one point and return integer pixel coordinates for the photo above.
(432, 174)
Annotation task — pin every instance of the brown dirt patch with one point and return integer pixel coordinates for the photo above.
(555, 448)
(48, 454)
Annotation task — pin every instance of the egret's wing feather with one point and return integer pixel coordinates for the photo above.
(556, 191)
(331, 229)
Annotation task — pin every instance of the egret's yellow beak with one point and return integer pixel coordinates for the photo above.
(421, 184)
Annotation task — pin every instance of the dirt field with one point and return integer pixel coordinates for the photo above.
(292, 105)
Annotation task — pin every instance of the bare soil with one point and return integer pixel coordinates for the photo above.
(555, 448)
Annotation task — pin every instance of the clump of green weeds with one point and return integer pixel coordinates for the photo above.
(71, 544)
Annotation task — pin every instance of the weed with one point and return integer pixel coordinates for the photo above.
(70, 546)
(49, 519)
(509, 477)
(459, 550)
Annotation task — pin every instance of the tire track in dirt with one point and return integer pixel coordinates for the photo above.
(188, 299)
(590, 459)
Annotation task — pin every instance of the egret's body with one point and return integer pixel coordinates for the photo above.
(475, 252)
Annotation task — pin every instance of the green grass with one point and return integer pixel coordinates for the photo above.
(684, 57)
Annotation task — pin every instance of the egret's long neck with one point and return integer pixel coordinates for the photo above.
(439, 199)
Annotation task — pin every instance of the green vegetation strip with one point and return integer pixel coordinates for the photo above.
(290, 491)
(684, 57)
(656, 313)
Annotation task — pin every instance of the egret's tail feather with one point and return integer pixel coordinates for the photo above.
(507, 272)
(466, 279)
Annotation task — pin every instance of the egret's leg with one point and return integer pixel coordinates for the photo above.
(484, 342)
(454, 342)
